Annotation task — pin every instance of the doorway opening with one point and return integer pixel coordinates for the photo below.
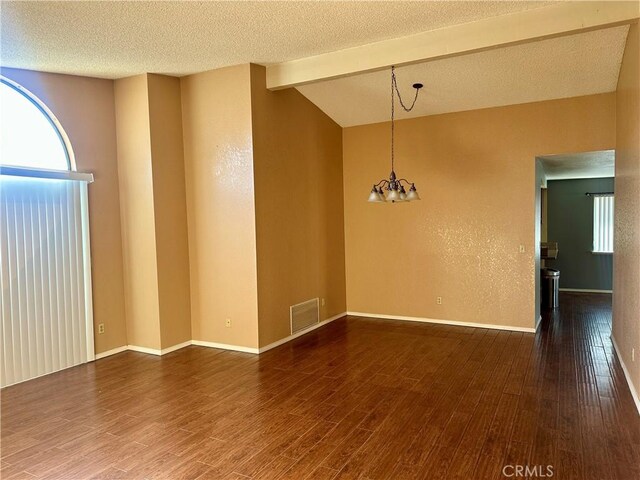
(575, 195)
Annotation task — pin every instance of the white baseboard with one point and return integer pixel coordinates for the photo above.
(584, 290)
(284, 340)
(136, 348)
(224, 346)
(221, 346)
(444, 322)
(151, 351)
(113, 351)
(277, 343)
(627, 376)
(173, 348)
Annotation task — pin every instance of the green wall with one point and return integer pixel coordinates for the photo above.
(570, 223)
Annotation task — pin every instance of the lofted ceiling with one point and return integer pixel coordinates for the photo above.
(580, 64)
(599, 164)
(119, 39)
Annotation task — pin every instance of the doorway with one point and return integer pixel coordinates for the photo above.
(575, 195)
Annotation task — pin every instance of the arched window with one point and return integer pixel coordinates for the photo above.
(45, 258)
(31, 136)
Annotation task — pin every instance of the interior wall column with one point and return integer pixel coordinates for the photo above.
(153, 211)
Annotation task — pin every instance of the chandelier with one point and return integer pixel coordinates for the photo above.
(394, 186)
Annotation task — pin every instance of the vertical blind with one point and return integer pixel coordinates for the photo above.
(603, 223)
(47, 322)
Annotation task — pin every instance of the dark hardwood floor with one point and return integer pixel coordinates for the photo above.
(360, 398)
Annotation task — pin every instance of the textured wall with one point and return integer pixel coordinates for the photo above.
(137, 213)
(476, 174)
(626, 268)
(297, 157)
(85, 108)
(154, 221)
(571, 225)
(216, 115)
(170, 210)
(538, 215)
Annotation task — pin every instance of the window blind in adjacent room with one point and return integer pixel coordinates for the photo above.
(603, 223)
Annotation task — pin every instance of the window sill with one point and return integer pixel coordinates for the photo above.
(43, 173)
(601, 253)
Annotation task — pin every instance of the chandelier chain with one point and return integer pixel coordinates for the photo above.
(395, 91)
(393, 79)
(394, 86)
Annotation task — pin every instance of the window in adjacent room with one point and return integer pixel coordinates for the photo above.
(603, 224)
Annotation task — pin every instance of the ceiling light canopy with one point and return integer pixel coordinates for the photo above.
(394, 187)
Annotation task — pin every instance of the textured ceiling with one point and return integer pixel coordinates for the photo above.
(579, 165)
(570, 66)
(118, 39)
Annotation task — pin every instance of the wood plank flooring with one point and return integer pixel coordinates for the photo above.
(358, 399)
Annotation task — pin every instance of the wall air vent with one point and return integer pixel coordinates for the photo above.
(304, 315)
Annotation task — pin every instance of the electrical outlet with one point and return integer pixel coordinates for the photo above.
(227, 323)
(323, 302)
(522, 249)
(439, 300)
(101, 328)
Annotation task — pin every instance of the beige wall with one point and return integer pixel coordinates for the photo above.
(475, 172)
(264, 201)
(154, 222)
(291, 137)
(537, 237)
(252, 251)
(297, 158)
(170, 210)
(137, 212)
(85, 108)
(626, 271)
(218, 155)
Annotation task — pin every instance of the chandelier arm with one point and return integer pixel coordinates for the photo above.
(381, 182)
(405, 180)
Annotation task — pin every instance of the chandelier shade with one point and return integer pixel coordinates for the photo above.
(374, 196)
(393, 196)
(413, 194)
(394, 187)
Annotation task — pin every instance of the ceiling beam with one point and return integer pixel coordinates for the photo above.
(527, 26)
